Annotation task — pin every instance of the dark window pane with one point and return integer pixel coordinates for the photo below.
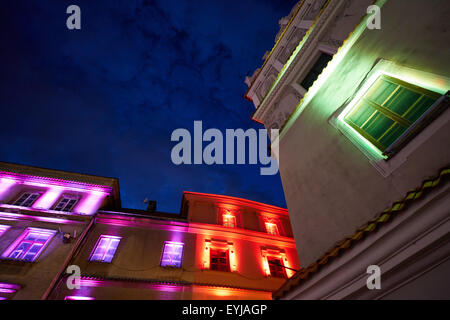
(394, 133)
(219, 260)
(276, 268)
(22, 199)
(421, 107)
(363, 113)
(378, 126)
(316, 70)
(70, 205)
(402, 100)
(381, 91)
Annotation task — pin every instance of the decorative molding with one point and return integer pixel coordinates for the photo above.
(328, 15)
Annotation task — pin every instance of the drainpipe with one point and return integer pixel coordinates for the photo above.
(68, 259)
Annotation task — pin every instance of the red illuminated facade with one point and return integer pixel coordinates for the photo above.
(217, 247)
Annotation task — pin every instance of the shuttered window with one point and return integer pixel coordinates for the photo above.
(388, 109)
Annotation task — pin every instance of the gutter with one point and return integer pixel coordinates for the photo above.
(68, 259)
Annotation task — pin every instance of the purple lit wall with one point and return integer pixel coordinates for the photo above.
(3, 229)
(5, 185)
(49, 198)
(90, 204)
(92, 196)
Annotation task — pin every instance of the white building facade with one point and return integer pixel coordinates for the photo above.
(362, 107)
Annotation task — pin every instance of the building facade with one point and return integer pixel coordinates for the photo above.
(57, 225)
(359, 92)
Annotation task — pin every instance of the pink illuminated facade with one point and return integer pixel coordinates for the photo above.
(217, 247)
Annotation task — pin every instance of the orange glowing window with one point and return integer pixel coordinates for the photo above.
(219, 260)
(276, 267)
(272, 228)
(229, 221)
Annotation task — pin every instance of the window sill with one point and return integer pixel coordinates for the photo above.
(14, 262)
(171, 268)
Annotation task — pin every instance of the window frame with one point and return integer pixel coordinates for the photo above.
(384, 165)
(8, 290)
(22, 238)
(79, 298)
(164, 250)
(96, 246)
(227, 255)
(69, 198)
(279, 254)
(226, 223)
(388, 151)
(229, 211)
(31, 193)
(318, 54)
(283, 267)
(267, 222)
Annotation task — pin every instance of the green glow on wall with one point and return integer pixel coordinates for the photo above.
(344, 63)
(332, 65)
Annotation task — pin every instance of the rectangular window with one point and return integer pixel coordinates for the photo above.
(7, 290)
(316, 70)
(172, 254)
(229, 221)
(66, 204)
(27, 199)
(389, 111)
(219, 260)
(30, 244)
(272, 228)
(276, 267)
(105, 248)
(3, 229)
(78, 298)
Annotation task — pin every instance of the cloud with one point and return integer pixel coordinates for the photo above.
(104, 100)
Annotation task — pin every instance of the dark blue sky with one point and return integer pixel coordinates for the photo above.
(105, 99)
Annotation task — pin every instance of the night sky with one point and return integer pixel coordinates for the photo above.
(105, 99)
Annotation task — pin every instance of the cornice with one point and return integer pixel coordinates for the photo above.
(312, 36)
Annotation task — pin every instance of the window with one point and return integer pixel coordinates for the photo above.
(276, 267)
(172, 254)
(78, 298)
(219, 260)
(30, 244)
(66, 204)
(7, 290)
(3, 229)
(229, 220)
(105, 248)
(272, 228)
(389, 111)
(27, 199)
(316, 70)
